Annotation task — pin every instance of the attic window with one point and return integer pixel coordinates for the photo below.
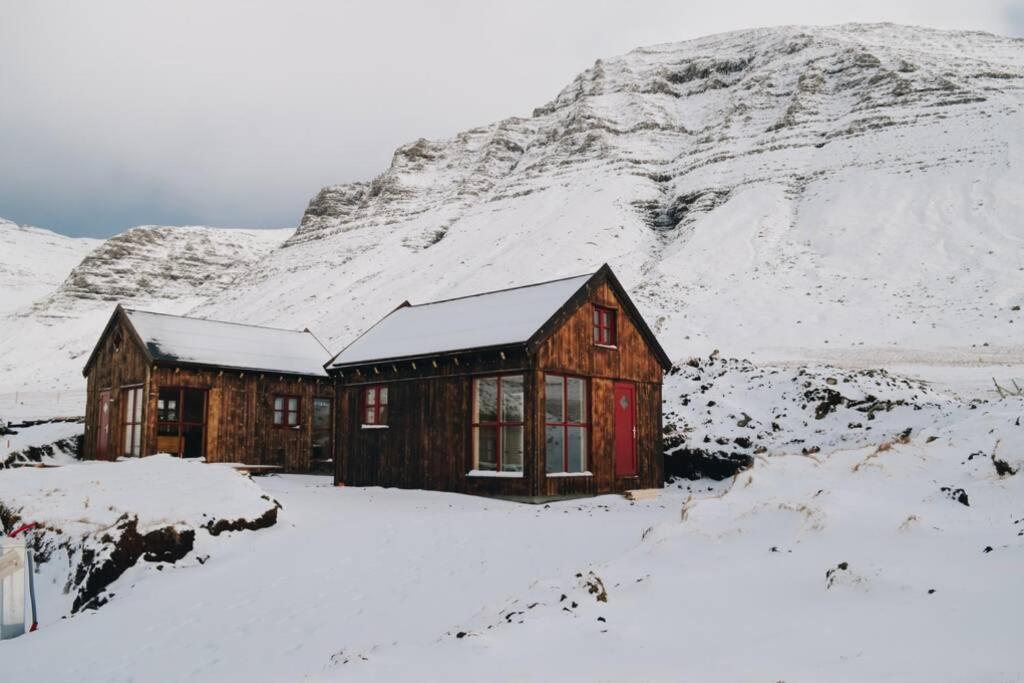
(117, 340)
(604, 326)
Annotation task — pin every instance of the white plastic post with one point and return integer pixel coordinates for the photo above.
(12, 588)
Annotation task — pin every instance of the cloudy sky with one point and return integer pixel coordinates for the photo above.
(234, 113)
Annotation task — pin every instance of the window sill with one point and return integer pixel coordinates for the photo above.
(490, 473)
(607, 346)
(569, 474)
(373, 426)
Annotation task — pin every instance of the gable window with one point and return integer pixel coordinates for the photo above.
(132, 401)
(498, 424)
(375, 406)
(286, 411)
(565, 424)
(604, 326)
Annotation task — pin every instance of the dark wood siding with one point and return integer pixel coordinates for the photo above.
(427, 443)
(239, 405)
(570, 349)
(114, 366)
(239, 414)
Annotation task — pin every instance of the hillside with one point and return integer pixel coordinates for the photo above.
(33, 262)
(787, 196)
(846, 194)
(885, 559)
(849, 194)
(160, 268)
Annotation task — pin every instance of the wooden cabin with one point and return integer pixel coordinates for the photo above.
(532, 393)
(208, 389)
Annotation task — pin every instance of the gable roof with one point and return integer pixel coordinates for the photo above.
(182, 340)
(507, 317)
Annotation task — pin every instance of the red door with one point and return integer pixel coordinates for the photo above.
(103, 433)
(625, 429)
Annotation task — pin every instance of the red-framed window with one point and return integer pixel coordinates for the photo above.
(287, 411)
(565, 424)
(498, 409)
(604, 326)
(375, 406)
(131, 400)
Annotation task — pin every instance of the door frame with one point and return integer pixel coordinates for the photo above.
(631, 388)
(330, 427)
(103, 440)
(180, 422)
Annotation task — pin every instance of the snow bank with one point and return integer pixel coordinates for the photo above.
(718, 408)
(50, 443)
(893, 562)
(102, 517)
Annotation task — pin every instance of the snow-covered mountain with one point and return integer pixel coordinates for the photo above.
(848, 193)
(34, 261)
(160, 268)
(844, 194)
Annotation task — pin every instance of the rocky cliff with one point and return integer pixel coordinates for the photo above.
(842, 193)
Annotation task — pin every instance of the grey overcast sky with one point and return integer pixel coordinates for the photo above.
(115, 113)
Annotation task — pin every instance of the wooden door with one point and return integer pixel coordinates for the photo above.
(625, 429)
(103, 432)
(322, 451)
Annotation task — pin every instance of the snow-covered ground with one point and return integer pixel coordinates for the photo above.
(97, 519)
(59, 436)
(895, 561)
(822, 201)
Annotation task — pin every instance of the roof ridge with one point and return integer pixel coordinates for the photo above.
(222, 322)
(499, 291)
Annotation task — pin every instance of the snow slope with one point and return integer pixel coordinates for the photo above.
(896, 561)
(892, 564)
(839, 194)
(848, 195)
(159, 268)
(33, 262)
(98, 520)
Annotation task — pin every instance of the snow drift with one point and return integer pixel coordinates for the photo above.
(97, 519)
(894, 562)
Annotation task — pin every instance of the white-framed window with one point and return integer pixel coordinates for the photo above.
(498, 409)
(565, 424)
(132, 402)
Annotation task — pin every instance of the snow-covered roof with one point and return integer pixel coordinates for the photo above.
(505, 317)
(230, 345)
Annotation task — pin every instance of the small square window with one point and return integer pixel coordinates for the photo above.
(286, 411)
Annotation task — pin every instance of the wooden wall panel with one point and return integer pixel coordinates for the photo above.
(571, 348)
(114, 367)
(239, 417)
(427, 443)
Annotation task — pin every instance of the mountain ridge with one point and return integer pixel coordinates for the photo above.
(845, 194)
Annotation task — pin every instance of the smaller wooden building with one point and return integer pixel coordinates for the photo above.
(199, 388)
(536, 392)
